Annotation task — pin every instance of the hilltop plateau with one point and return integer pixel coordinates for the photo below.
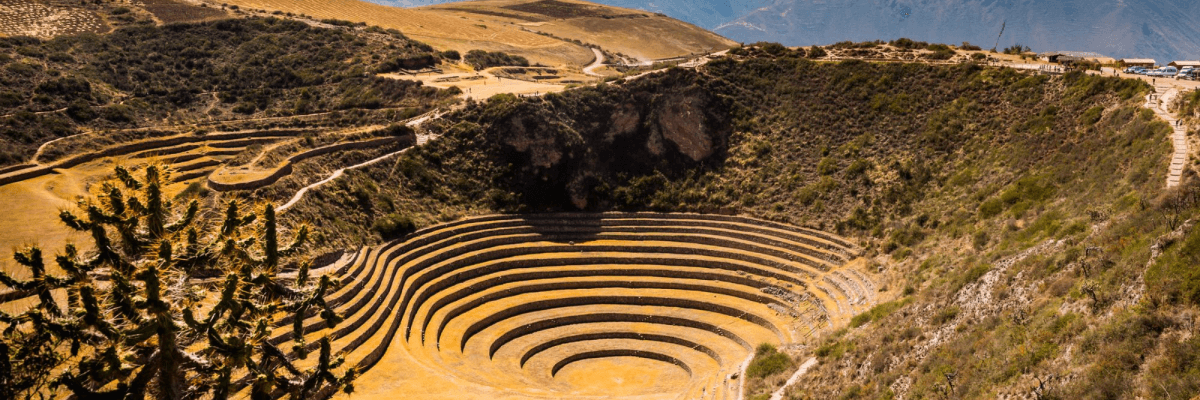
(550, 32)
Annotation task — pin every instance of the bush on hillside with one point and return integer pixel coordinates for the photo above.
(1017, 49)
(480, 59)
(451, 55)
(768, 361)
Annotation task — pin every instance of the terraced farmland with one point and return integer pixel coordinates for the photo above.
(221, 161)
(566, 305)
(39, 19)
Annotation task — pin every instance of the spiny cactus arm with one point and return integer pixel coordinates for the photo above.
(32, 258)
(126, 178)
(271, 352)
(302, 276)
(146, 374)
(121, 296)
(156, 207)
(322, 373)
(228, 301)
(115, 199)
(223, 384)
(299, 345)
(297, 243)
(234, 221)
(14, 284)
(41, 284)
(135, 206)
(270, 243)
(97, 215)
(91, 315)
(80, 390)
(74, 222)
(77, 268)
(347, 381)
(152, 282)
(219, 343)
(139, 333)
(185, 221)
(236, 250)
(328, 313)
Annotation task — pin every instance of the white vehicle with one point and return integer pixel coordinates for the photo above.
(1184, 72)
(1164, 71)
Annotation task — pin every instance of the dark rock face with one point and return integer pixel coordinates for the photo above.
(563, 148)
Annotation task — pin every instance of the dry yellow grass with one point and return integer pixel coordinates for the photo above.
(489, 25)
(635, 33)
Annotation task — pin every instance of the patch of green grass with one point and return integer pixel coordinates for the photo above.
(768, 361)
(878, 312)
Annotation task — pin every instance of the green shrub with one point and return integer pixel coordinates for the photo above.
(833, 349)
(1092, 115)
(768, 361)
(394, 225)
(827, 166)
(480, 59)
(990, 208)
(774, 49)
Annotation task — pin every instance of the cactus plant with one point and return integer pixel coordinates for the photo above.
(140, 329)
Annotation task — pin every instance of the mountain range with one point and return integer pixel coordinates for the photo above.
(1165, 30)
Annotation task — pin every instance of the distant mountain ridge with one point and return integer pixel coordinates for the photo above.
(1165, 30)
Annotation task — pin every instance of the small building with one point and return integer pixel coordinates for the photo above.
(1181, 64)
(1137, 62)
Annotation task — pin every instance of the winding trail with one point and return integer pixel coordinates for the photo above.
(778, 395)
(421, 139)
(1179, 157)
(591, 69)
(41, 149)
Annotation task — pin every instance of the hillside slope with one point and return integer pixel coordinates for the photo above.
(544, 31)
(1015, 211)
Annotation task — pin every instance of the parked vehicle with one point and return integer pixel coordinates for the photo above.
(1135, 70)
(1163, 72)
(1183, 72)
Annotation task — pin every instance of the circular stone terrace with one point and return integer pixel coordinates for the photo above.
(555, 306)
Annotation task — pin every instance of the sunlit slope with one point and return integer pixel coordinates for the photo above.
(542, 31)
(636, 33)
